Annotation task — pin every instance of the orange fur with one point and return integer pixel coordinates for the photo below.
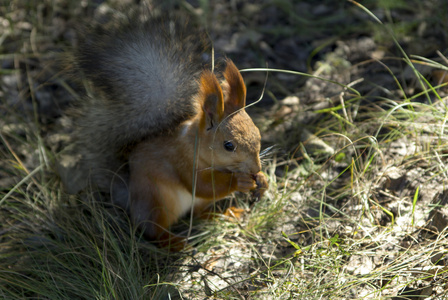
(163, 136)
(236, 93)
(165, 171)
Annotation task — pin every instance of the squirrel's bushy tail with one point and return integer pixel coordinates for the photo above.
(141, 75)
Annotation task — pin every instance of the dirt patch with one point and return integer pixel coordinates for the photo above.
(357, 201)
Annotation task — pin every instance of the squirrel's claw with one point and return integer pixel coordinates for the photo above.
(262, 185)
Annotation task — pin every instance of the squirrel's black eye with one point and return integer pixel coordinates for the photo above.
(228, 145)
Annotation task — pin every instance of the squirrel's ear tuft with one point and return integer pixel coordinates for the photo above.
(236, 90)
(211, 99)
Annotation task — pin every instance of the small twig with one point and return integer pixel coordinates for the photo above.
(341, 98)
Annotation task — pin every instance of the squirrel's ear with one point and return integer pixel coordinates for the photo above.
(235, 90)
(211, 98)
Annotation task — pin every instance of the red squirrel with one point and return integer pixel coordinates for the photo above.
(160, 132)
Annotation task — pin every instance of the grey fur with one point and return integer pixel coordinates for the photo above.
(143, 77)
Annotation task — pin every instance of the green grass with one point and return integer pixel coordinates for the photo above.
(336, 225)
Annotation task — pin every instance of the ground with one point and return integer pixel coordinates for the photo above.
(352, 116)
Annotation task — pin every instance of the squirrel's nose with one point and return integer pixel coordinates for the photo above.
(255, 167)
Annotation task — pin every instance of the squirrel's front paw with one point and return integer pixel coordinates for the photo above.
(262, 185)
(244, 182)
